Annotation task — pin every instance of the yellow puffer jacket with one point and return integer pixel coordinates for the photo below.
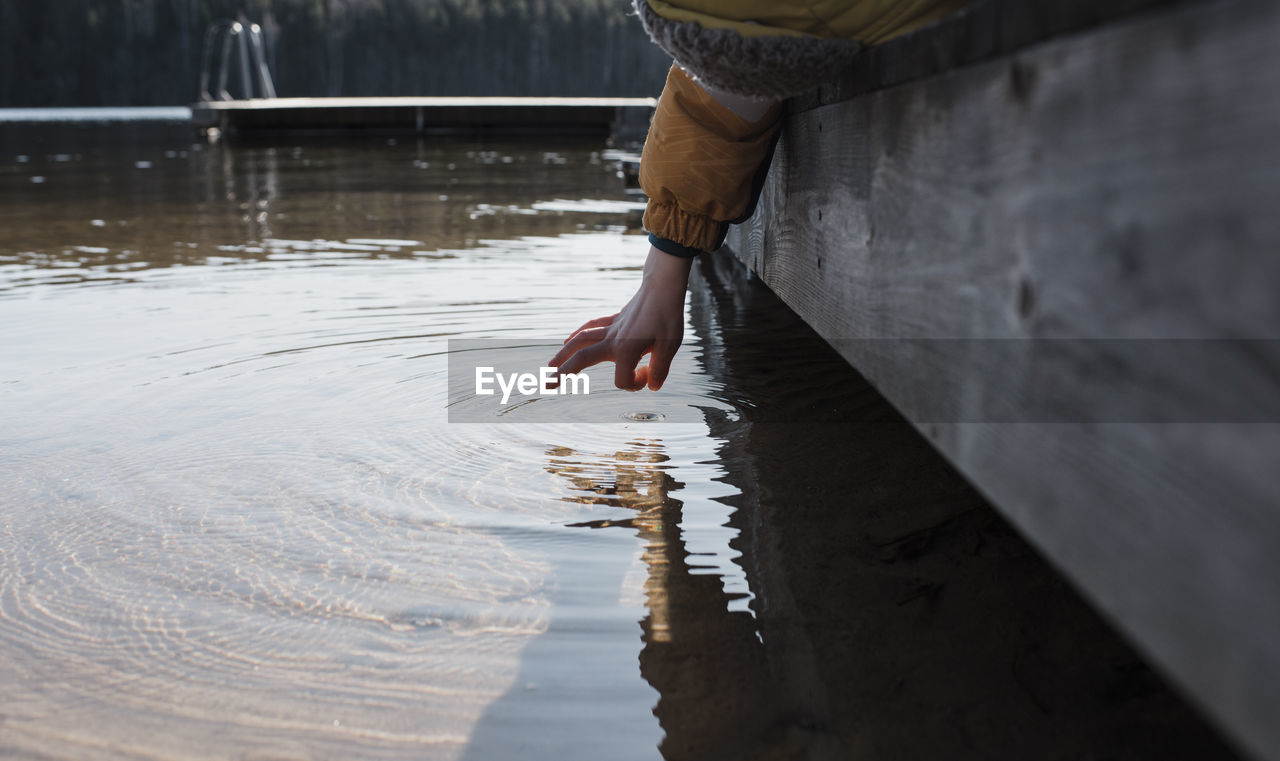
(701, 159)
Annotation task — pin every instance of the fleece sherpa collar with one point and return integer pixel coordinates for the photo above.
(773, 67)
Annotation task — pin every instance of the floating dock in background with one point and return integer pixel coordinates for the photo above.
(603, 117)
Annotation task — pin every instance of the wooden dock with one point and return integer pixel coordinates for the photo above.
(487, 115)
(1048, 233)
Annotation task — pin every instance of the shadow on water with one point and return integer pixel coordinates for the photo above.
(894, 614)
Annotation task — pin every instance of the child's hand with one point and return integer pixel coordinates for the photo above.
(651, 323)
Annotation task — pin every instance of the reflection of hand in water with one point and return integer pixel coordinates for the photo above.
(718, 699)
(633, 478)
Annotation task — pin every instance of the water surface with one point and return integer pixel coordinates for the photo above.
(236, 522)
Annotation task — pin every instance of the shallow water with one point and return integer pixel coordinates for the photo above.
(237, 522)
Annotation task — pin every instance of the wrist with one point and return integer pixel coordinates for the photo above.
(664, 270)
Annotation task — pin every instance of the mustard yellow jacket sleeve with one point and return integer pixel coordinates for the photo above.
(698, 164)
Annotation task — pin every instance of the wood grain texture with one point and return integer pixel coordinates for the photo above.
(1063, 266)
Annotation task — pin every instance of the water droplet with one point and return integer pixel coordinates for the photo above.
(645, 417)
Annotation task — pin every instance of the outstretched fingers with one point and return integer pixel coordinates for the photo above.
(599, 322)
(581, 338)
(585, 357)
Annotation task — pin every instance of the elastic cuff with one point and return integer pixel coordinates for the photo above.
(673, 248)
(690, 230)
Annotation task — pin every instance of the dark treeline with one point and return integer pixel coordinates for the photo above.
(147, 52)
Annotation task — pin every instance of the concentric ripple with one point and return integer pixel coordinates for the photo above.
(235, 520)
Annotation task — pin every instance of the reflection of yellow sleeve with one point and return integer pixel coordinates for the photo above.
(698, 164)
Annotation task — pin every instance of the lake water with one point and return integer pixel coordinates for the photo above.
(237, 522)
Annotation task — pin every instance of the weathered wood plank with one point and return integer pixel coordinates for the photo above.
(1067, 211)
(899, 617)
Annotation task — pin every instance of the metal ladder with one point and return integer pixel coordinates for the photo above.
(250, 38)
